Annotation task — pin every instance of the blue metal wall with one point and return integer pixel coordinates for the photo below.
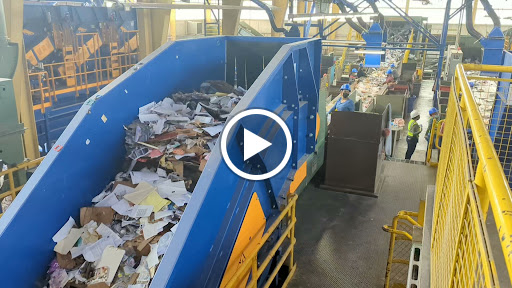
(501, 122)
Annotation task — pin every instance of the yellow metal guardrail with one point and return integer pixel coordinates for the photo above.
(436, 135)
(256, 268)
(105, 68)
(345, 68)
(400, 245)
(13, 188)
(468, 181)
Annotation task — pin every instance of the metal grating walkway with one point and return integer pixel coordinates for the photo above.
(340, 241)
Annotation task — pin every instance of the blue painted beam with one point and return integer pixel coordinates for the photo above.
(379, 47)
(374, 38)
(444, 36)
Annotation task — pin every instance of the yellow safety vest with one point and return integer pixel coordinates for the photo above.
(411, 125)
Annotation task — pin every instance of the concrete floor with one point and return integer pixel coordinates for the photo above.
(423, 104)
(340, 241)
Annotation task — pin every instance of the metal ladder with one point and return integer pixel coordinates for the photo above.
(211, 28)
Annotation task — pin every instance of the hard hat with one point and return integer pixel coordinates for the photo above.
(345, 87)
(389, 71)
(415, 113)
(360, 64)
(471, 84)
(433, 111)
(392, 65)
(354, 70)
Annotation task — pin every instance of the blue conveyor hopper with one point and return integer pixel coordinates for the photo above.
(283, 76)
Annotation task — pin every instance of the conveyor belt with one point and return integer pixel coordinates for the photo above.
(340, 241)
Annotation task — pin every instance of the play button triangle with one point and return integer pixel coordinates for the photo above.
(253, 144)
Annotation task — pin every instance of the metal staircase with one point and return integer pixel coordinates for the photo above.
(212, 28)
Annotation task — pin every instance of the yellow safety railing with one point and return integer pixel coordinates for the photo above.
(400, 245)
(286, 242)
(436, 135)
(344, 55)
(469, 180)
(13, 188)
(103, 69)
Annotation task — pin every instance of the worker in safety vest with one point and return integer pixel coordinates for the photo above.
(345, 103)
(413, 134)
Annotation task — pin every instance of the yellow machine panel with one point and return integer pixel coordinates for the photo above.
(94, 43)
(43, 49)
(134, 43)
(31, 58)
(317, 125)
(248, 239)
(300, 175)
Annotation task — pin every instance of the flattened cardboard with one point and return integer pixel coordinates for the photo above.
(65, 261)
(103, 215)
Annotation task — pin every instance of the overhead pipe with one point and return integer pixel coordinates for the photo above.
(376, 10)
(349, 21)
(355, 10)
(490, 11)
(469, 21)
(270, 15)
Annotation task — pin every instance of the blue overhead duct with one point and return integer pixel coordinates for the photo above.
(374, 39)
(494, 42)
(376, 10)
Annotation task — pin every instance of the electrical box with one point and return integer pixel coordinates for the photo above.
(453, 57)
(11, 145)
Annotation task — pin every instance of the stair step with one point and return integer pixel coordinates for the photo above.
(393, 159)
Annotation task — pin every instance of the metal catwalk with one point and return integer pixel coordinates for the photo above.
(340, 241)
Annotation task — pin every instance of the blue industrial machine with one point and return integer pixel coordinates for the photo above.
(374, 35)
(283, 75)
(72, 52)
(494, 43)
(374, 39)
(499, 129)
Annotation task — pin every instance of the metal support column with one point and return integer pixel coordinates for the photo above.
(311, 10)
(301, 8)
(279, 14)
(14, 20)
(230, 18)
(442, 48)
(475, 8)
(409, 45)
(336, 26)
(172, 25)
(153, 27)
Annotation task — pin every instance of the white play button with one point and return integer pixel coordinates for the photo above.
(253, 144)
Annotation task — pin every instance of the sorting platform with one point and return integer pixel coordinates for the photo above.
(340, 241)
